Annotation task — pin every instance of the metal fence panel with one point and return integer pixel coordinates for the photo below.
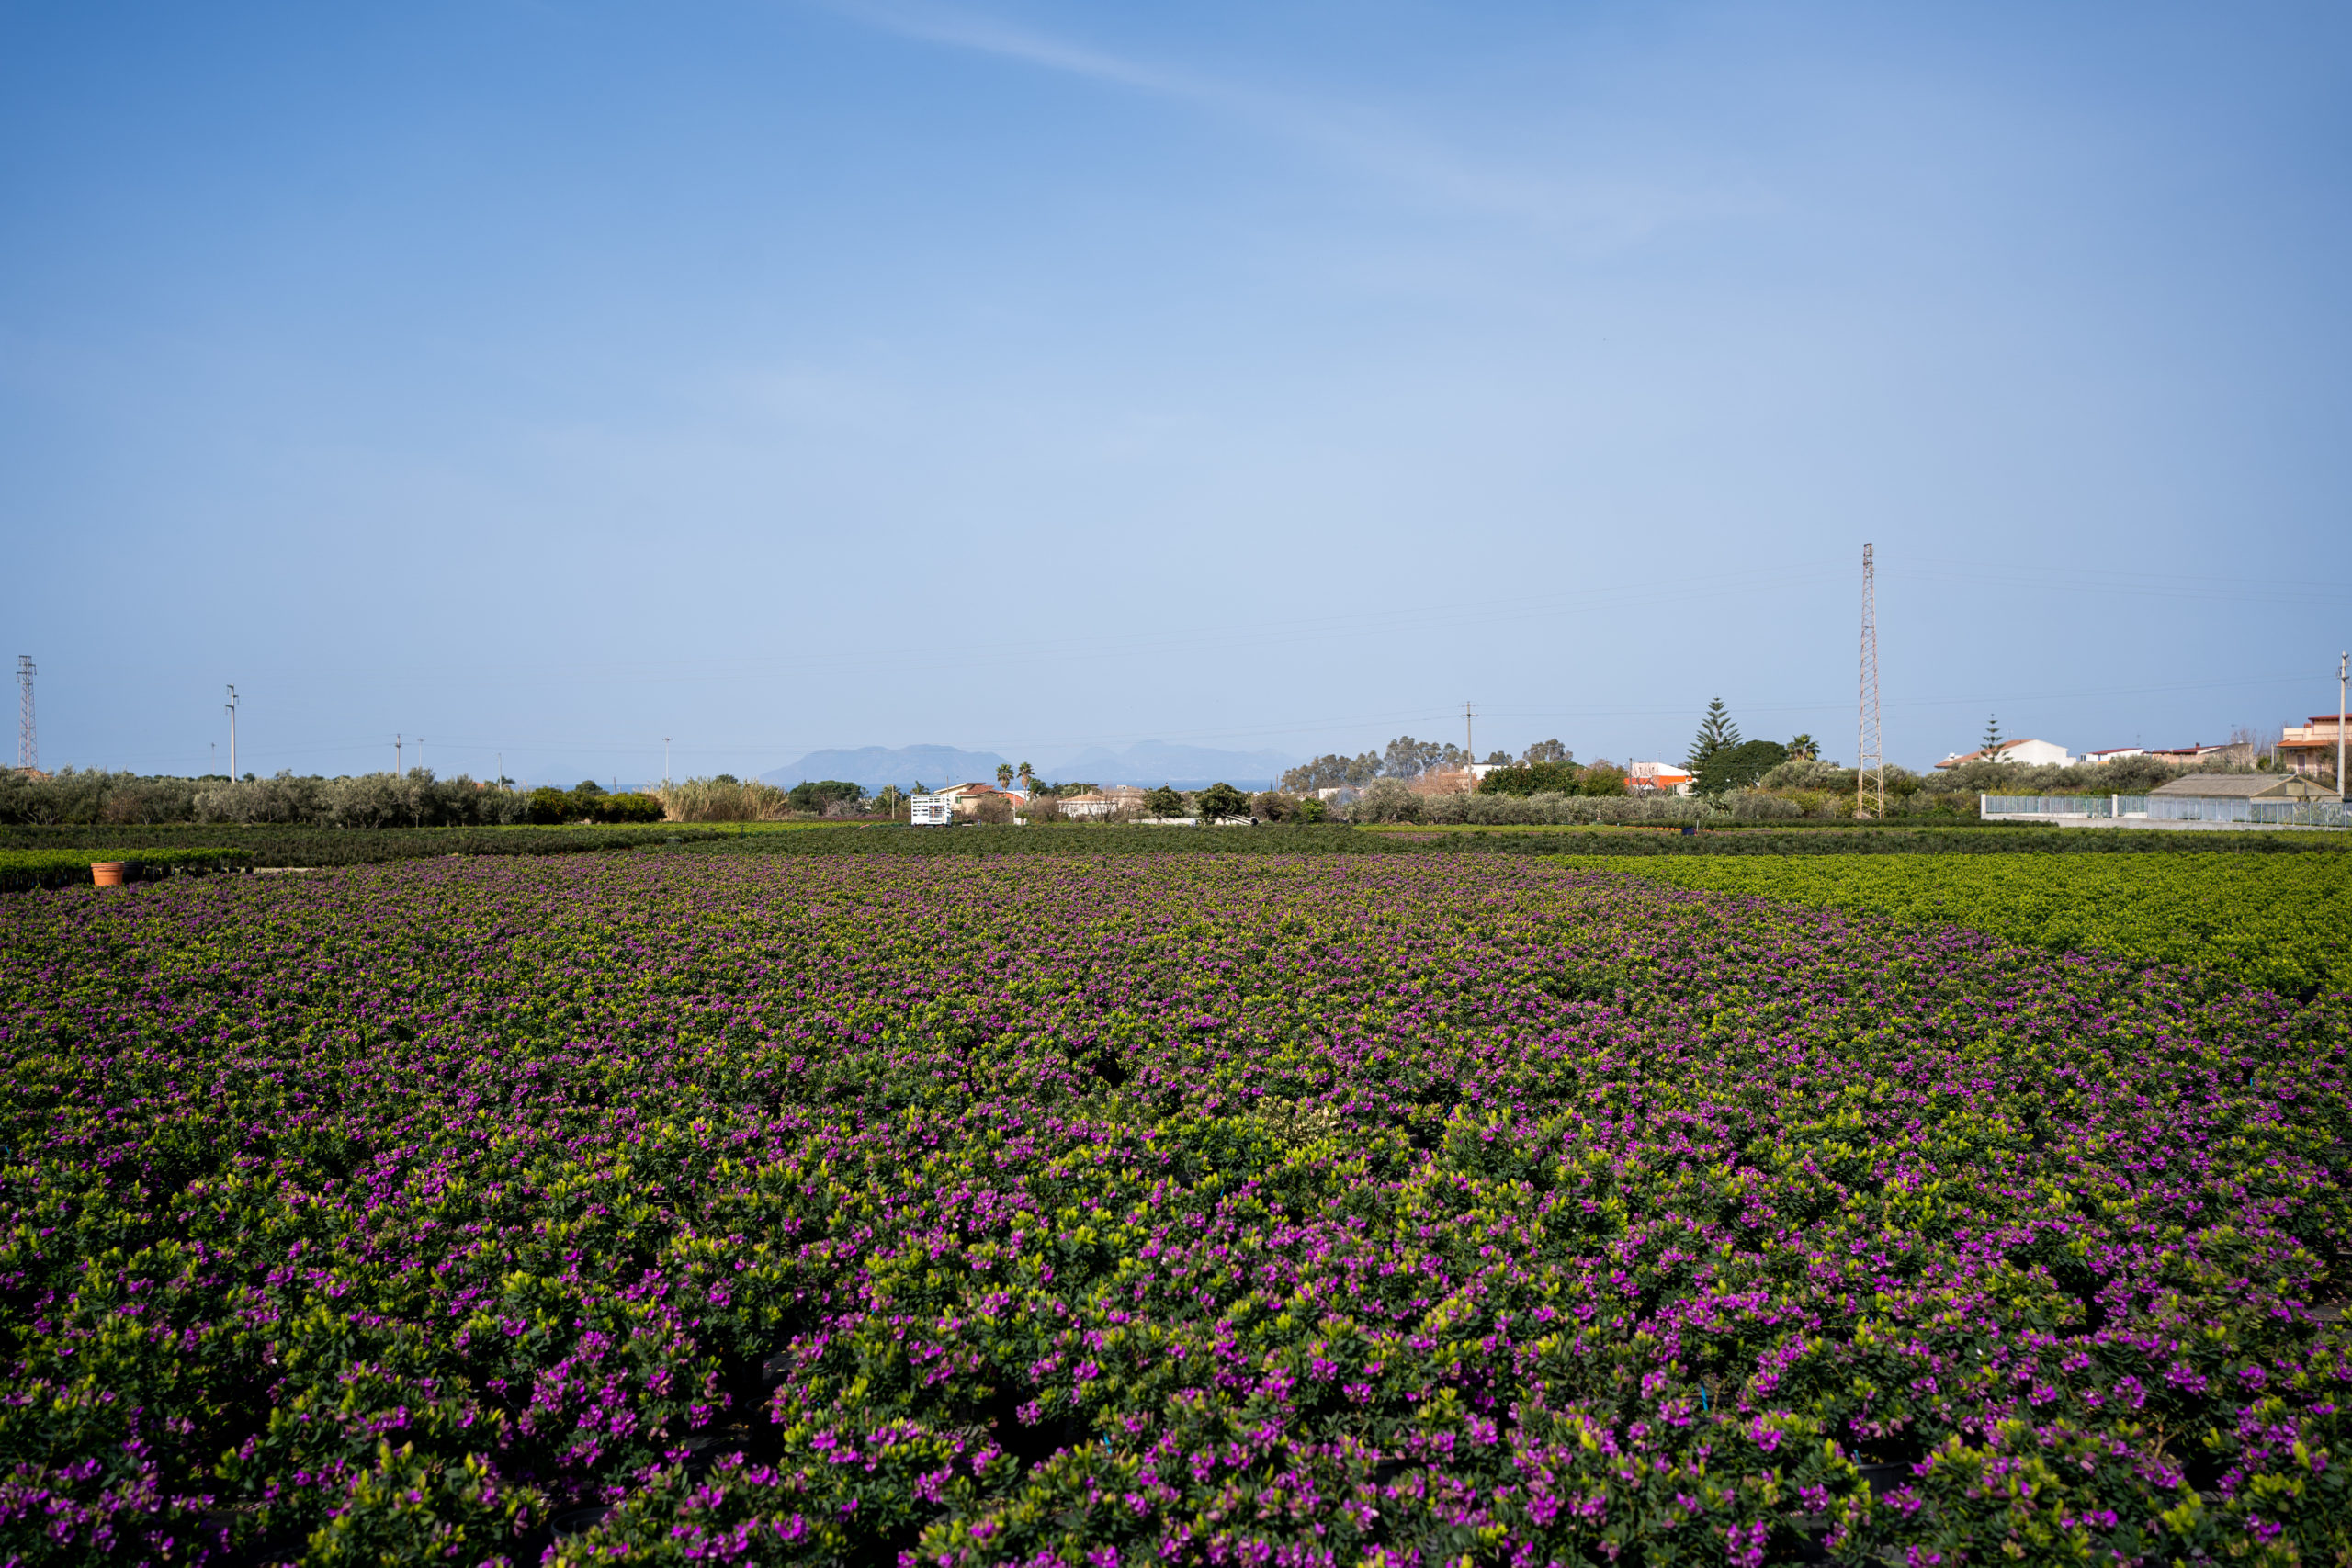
(2166, 808)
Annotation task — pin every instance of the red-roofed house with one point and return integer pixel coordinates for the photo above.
(1663, 778)
(2310, 748)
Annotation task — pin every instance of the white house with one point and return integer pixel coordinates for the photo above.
(2027, 754)
(965, 797)
(1659, 778)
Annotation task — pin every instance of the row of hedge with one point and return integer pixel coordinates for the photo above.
(279, 845)
(1287, 839)
(292, 846)
(24, 869)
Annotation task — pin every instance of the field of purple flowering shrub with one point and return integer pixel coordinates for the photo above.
(1249, 1210)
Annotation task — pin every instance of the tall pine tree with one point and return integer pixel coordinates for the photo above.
(1716, 733)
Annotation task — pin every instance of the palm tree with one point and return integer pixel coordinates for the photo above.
(1803, 750)
(1004, 775)
(1028, 779)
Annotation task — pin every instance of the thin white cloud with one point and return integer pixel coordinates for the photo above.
(987, 35)
(1605, 212)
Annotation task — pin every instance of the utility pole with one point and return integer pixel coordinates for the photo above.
(1469, 746)
(27, 742)
(398, 772)
(419, 750)
(665, 763)
(2341, 663)
(232, 705)
(1869, 757)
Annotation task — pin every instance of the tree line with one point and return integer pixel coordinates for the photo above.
(416, 798)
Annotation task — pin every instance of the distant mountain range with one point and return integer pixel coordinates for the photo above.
(1151, 762)
(905, 766)
(1147, 763)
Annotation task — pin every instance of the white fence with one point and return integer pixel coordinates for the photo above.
(2162, 808)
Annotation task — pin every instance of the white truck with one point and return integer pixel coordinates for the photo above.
(930, 811)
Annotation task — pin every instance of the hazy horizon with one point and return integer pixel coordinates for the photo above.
(1035, 378)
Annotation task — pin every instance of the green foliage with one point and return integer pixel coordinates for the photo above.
(1311, 809)
(84, 796)
(1272, 806)
(1602, 780)
(2276, 920)
(416, 798)
(1716, 733)
(1286, 1209)
(409, 1508)
(300, 846)
(1778, 841)
(21, 869)
(1532, 778)
(1406, 758)
(807, 796)
(1164, 802)
(1739, 766)
(629, 808)
(1221, 800)
(1332, 771)
(547, 806)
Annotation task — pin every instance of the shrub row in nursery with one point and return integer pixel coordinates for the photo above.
(353, 846)
(1287, 838)
(1392, 1209)
(24, 869)
(327, 847)
(1388, 800)
(2276, 920)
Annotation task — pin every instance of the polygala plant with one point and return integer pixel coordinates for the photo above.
(1004, 1208)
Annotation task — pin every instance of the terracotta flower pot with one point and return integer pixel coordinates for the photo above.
(108, 873)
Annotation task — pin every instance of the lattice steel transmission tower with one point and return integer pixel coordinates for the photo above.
(27, 743)
(1870, 763)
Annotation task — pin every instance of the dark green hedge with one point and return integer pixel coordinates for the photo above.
(24, 869)
(270, 846)
(351, 846)
(1342, 839)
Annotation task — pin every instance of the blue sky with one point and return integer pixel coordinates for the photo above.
(547, 378)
